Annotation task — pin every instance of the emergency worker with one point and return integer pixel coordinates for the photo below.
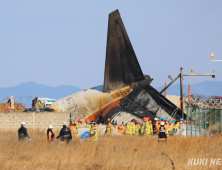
(22, 132)
(50, 135)
(109, 127)
(170, 130)
(87, 123)
(155, 132)
(162, 131)
(146, 127)
(93, 131)
(151, 126)
(121, 129)
(181, 122)
(73, 127)
(137, 128)
(130, 128)
(65, 134)
(176, 126)
(80, 122)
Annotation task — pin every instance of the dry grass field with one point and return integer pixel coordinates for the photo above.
(118, 152)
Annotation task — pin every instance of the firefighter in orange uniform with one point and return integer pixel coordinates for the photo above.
(121, 129)
(73, 127)
(50, 135)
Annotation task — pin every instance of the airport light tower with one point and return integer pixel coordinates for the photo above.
(212, 57)
(181, 75)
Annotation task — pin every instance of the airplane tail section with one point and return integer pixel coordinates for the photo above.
(122, 67)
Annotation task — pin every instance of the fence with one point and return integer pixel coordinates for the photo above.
(21, 102)
(203, 121)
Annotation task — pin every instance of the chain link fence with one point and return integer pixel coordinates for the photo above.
(203, 115)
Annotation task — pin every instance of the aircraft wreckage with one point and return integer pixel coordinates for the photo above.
(126, 93)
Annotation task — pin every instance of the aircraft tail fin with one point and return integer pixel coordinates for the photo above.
(122, 67)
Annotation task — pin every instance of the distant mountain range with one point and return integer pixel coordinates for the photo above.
(206, 88)
(25, 90)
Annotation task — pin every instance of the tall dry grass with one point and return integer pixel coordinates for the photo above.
(118, 152)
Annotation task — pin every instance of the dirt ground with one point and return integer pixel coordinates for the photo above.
(5, 107)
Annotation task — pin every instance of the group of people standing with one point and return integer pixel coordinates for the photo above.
(159, 127)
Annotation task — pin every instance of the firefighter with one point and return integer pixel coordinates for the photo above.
(146, 128)
(137, 128)
(73, 127)
(22, 132)
(109, 127)
(121, 129)
(176, 126)
(93, 131)
(65, 133)
(50, 134)
(130, 128)
(87, 123)
(181, 122)
(151, 126)
(170, 130)
(155, 132)
(162, 131)
(80, 122)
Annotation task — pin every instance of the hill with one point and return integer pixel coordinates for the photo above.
(207, 88)
(31, 90)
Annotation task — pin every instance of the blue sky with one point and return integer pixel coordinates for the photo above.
(64, 42)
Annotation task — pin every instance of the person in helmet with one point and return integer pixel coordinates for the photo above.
(151, 126)
(80, 121)
(78, 124)
(65, 134)
(162, 131)
(181, 122)
(146, 127)
(93, 131)
(22, 132)
(109, 127)
(130, 127)
(73, 126)
(176, 126)
(50, 134)
(87, 123)
(170, 130)
(155, 132)
(137, 128)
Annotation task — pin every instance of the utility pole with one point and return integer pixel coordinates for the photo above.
(165, 93)
(181, 75)
(181, 90)
(188, 93)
